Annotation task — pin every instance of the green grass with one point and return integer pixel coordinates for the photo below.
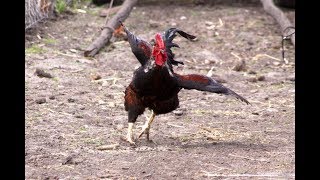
(83, 129)
(55, 79)
(61, 6)
(97, 142)
(49, 41)
(34, 49)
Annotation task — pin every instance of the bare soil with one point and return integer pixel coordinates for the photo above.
(72, 116)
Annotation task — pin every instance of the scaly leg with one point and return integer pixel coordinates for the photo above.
(146, 127)
(130, 134)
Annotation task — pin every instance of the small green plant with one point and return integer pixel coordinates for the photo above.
(55, 79)
(34, 49)
(49, 41)
(61, 6)
(83, 129)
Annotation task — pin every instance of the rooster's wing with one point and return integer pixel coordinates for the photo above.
(204, 83)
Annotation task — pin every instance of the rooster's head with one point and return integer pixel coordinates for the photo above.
(159, 50)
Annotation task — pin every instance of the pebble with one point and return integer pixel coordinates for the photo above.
(252, 72)
(253, 79)
(120, 127)
(173, 24)
(79, 116)
(261, 78)
(41, 100)
(70, 100)
(208, 23)
(183, 18)
(100, 102)
(96, 77)
(153, 24)
(178, 113)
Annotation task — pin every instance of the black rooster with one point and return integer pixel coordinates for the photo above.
(155, 85)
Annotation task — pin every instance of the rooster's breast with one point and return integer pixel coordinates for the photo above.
(156, 82)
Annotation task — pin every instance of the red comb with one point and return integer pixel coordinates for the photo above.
(159, 50)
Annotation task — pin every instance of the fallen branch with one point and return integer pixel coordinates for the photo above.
(109, 28)
(279, 16)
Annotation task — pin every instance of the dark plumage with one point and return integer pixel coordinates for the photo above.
(154, 84)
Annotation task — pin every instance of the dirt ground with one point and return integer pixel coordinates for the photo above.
(71, 119)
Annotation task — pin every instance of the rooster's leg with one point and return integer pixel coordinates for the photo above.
(146, 127)
(130, 133)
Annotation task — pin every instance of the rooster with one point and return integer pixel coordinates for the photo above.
(155, 85)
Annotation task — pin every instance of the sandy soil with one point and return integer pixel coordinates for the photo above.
(71, 118)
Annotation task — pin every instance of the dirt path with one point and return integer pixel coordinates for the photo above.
(208, 137)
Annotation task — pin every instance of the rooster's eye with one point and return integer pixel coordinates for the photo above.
(152, 42)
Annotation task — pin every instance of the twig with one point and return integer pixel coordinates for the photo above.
(221, 23)
(107, 79)
(264, 55)
(57, 112)
(110, 6)
(207, 129)
(235, 55)
(51, 36)
(175, 125)
(108, 147)
(73, 56)
(209, 74)
(75, 71)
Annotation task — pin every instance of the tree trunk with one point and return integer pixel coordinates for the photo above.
(36, 11)
(280, 17)
(110, 26)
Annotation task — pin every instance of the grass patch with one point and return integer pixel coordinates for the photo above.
(61, 6)
(34, 49)
(55, 79)
(97, 142)
(83, 129)
(49, 41)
